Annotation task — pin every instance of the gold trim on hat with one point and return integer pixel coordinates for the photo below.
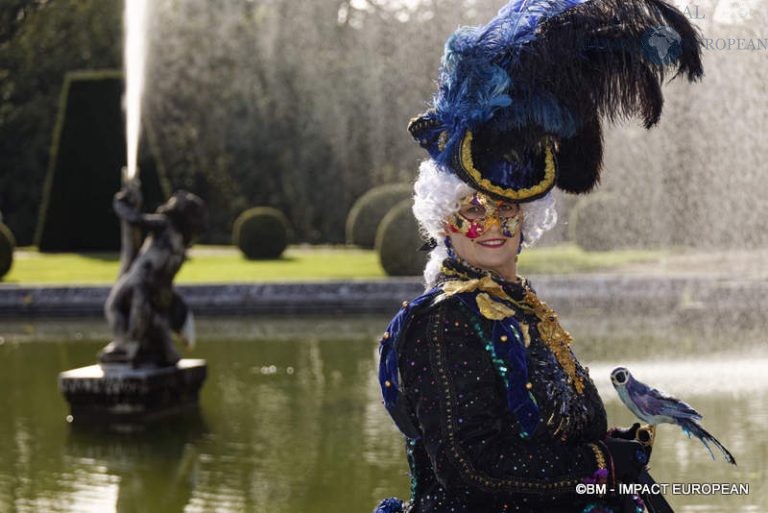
(515, 195)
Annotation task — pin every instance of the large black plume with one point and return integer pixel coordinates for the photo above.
(602, 59)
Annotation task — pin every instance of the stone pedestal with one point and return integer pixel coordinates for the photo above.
(122, 393)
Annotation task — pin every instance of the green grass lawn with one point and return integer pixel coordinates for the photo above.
(226, 265)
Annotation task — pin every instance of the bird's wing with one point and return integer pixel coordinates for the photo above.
(658, 402)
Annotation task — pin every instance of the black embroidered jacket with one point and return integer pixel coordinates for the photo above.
(467, 453)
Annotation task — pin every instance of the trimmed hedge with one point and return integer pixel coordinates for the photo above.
(7, 245)
(261, 233)
(87, 155)
(398, 242)
(369, 210)
(600, 223)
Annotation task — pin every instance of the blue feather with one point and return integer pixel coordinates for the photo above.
(516, 22)
(474, 79)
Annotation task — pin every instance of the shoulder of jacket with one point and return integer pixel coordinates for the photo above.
(442, 311)
(445, 306)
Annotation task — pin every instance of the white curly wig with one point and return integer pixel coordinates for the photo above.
(436, 196)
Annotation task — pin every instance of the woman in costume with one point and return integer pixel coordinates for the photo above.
(477, 373)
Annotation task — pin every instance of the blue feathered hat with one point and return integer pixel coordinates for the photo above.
(521, 100)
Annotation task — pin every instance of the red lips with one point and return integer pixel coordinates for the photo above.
(492, 243)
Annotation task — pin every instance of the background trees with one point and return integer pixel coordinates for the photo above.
(40, 40)
(303, 106)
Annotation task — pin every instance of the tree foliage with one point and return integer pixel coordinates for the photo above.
(302, 106)
(298, 105)
(40, 41)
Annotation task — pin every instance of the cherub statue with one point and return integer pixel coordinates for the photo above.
(143, 308)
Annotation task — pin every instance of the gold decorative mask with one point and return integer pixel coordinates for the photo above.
(478, 212)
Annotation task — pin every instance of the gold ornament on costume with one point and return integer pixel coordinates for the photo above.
(526, 333)
(491, 309)
(555, 338)
(486, 284)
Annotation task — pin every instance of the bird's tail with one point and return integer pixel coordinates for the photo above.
(691, 427)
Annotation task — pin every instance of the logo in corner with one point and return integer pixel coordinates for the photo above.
(661, 45)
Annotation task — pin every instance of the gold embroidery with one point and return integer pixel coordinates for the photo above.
(488, 307)
(556, 338)
(552, 334)
(599, 456)
(526, 333)
(491, 309)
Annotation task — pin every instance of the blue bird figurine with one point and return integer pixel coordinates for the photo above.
(656, 407)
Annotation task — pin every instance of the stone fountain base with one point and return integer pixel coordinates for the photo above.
(120, 392)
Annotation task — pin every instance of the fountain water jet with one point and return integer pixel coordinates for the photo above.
(134, 57)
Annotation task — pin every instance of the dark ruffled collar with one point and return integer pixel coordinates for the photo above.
(458, 269)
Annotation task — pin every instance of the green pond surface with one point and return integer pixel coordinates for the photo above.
(291, 418)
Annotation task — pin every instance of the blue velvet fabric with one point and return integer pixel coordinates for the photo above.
(520, 401)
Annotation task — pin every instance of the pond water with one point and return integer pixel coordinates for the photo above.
(291, 421)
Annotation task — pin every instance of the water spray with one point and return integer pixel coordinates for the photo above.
(134, 61)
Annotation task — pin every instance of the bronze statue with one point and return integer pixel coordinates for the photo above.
(143, 308)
